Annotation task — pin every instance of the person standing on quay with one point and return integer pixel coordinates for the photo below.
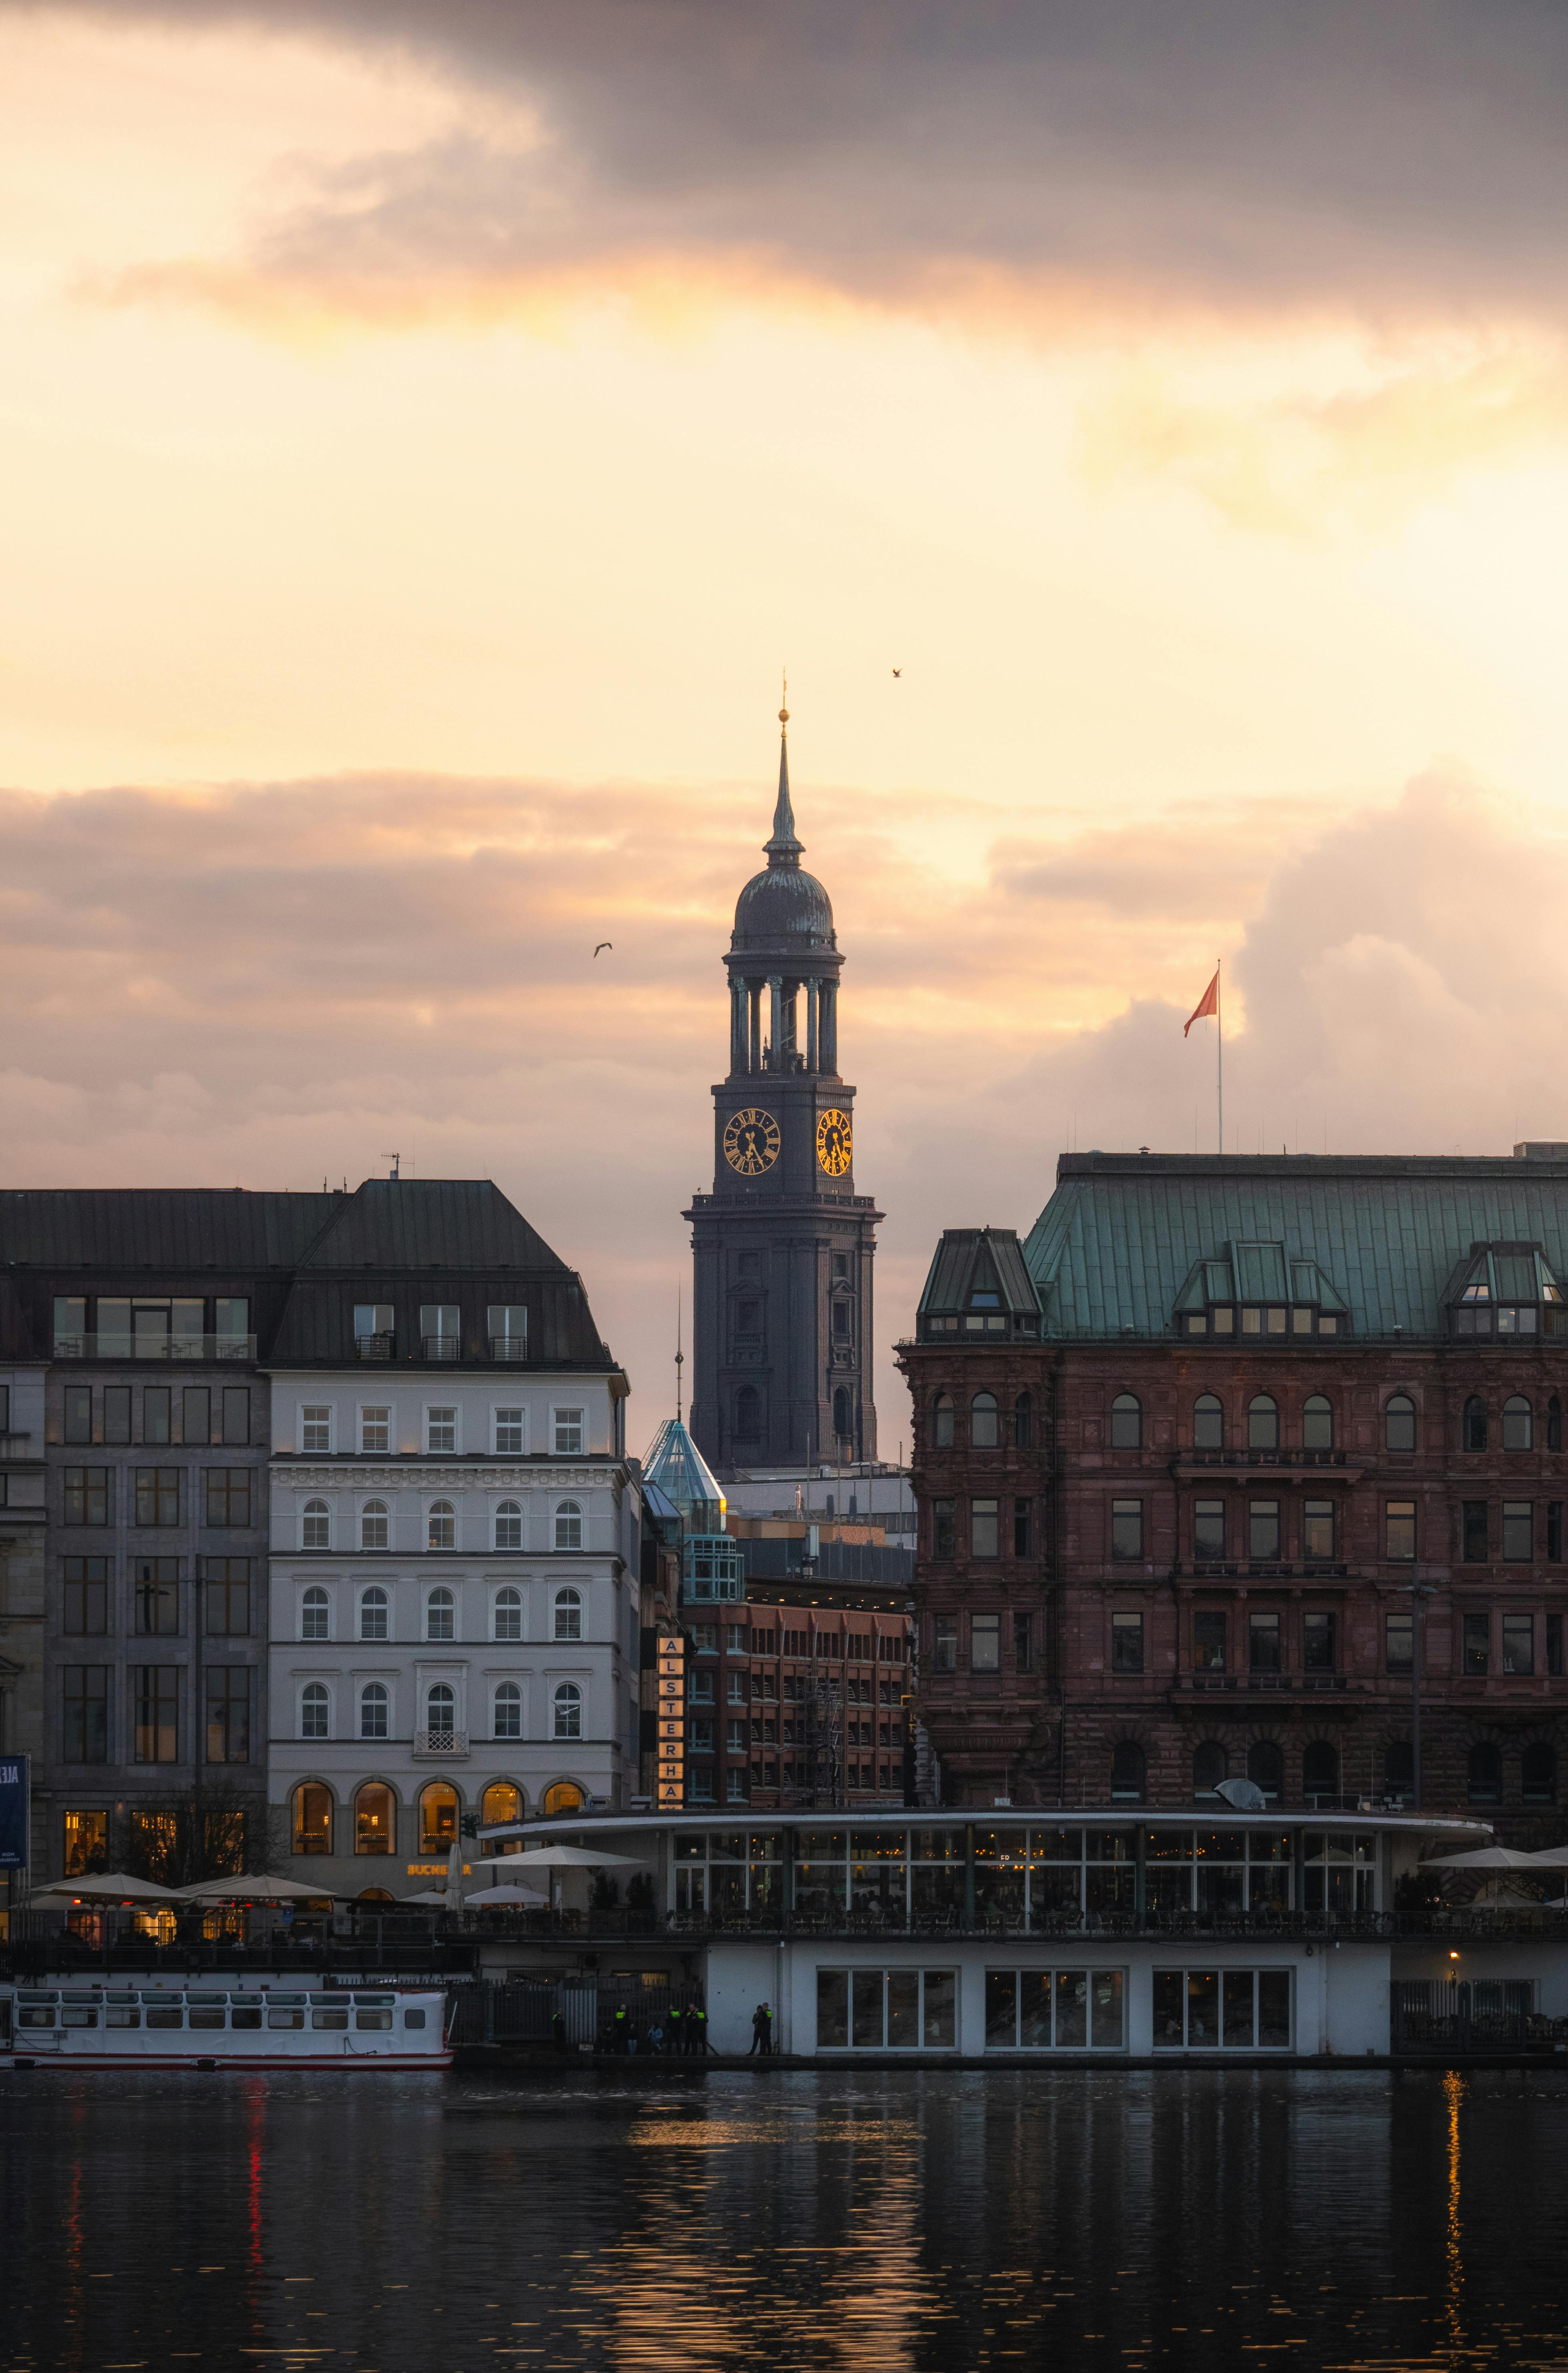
(759, 2030)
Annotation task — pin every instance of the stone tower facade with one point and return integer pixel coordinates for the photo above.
(782, 1247)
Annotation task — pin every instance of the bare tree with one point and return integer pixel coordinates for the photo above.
(211, 1831)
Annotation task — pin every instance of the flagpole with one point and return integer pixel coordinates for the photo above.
(1219, 1055)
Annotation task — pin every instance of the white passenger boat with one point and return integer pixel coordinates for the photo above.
(131, 2024)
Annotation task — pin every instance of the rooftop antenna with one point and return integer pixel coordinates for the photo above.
(395, 1159)
(679, 1355)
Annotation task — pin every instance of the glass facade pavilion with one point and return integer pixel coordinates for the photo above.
(1029, 1934)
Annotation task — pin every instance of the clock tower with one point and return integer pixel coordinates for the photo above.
(782, 1247)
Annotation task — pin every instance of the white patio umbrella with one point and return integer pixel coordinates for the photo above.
(1549, 1858)
(1485, 1858)
(497, 1899)
(569, 1858)
(426, 1895)
(104, 1887)
(259, 1887)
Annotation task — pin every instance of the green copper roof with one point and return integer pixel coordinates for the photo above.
(1124, 1241)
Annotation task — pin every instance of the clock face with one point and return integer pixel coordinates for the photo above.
(835, 1142)
(751, 1142)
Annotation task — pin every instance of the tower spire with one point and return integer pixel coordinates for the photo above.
(783, 850)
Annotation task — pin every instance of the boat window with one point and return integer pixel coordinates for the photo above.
(122, 2010)
(282, 2015)
(413, 2018)
(329, 2011)
(245, 2015)
(365, 2020)
(164, 2010)
(374, 2000)
(35, 2013)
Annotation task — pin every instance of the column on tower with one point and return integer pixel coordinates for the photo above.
(830, 1026)
(810, 1024)
(791, 1025)
(737, 1027)
(754, 999)
(776, 1035)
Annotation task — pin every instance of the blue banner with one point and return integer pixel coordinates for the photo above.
(13, 1812)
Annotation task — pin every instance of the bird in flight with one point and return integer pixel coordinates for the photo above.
(897, 671)
(603, 945)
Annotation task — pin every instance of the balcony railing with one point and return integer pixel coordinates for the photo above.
(441, 1348)
(1262, 1570)
(441, 1741)
(508, 1347)
(1262, 1457)
(374, 1347)
(1262, 1681)
(160, 1347)
(18, 1446)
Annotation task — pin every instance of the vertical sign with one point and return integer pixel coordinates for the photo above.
(672, 1788)
(13, 1812)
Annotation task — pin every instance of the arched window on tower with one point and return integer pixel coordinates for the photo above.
(748, 1414)
(984, 1429)
(1208, 1422)
(843, 1415)
(1262, 1423)
(1126, 1422)
(1210, 1764)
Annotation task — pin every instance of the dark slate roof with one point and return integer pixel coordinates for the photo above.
(978, 1260)
(426, 1222)
(1121, 1238)
(164, 1228)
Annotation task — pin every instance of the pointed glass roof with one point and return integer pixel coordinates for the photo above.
(683, 1475)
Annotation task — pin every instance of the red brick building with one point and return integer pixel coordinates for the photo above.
(1230, 1463)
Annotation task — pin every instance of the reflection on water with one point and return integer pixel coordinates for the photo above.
(946, 2219)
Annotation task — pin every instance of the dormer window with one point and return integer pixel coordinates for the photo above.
(1505, 1289)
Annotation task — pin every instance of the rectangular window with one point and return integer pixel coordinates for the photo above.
(944, 1644)
(236, 1416)
(440, 1330)
(1127, 1530)
(1021, 1529)
(231, 1325)
(1209, 1640)
(984, 1527)
(510, 1436)
(90, 1495)
(1263, 1530)
(114, 1329)
(70, 1325)
(506, 1324)
(158, 1496)
(157, 1400)
(228, 1714)
(944, 1528)
(158, 1596)
(1554, 1532)
(440, 1431)
(569, 1432)
(1318, 1531)
(86, 1709)
(195, 1414)
(1022, 1645)
(85, 1594)
(228, 1495)
(1263, 1644)
(1398, 1643)
(876, 2010)
(375, 1429)
(1317, 1642)
(985, 1644)
(373, 1329)
(1209, 1528)
(1478, 1643)
(315, 1428)
(1400, 1530)
(1473, 1545)
(1519, 1643)
(1206, 2010)
(227, 1586)
(78, 1413)
(117, 1415)
(1062, 2010)
(86, 1844)
(1126, 1644)
(1518, 1531)
(157, 1713)
(1554, 1646)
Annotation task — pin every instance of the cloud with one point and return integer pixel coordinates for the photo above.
(935, 153)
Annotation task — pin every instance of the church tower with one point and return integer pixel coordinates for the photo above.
(781, 1350)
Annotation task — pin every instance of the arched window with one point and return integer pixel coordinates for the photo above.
(1554, 1424)
(568, 1710)
(984, 1428)
(568, 1524)
(1208, 1422)
(1473, 1430)
(843, 1415)
(1316, 1422)
(1400, 1422)
(1537, 1773)
(375, 1895)
(1126, 1422)
(565, 1796)
(1519, 1423)
(373, 1613)
(373, 1525)
(502, 1802)
(440, 1713)
(1319, 1769)
(1126, 1772)
(569, 1613)
(375, 1707)
(748, 1414)
(315, 1614)
(1210, 1764)
(1398, 1768)
(438, 1817)
(442, 1529)
(439, 1614)
(1262, 1423)
(375, 1828)
(508, 1526)
(509, 1711)
(1485, 1773)
(1265, 1768)
(509, 1613)
(315, 1707)
(942, 1422)
(1024, 1422)
(312, 1818)
(315, 1526)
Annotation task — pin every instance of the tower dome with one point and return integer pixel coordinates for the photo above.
(785, 904)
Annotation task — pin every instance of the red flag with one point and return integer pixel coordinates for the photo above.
(1208, 1003)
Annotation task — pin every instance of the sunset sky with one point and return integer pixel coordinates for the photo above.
(431, 425)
